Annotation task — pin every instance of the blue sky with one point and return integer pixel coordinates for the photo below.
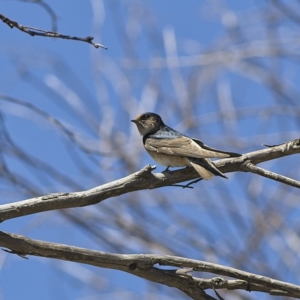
(94, 92)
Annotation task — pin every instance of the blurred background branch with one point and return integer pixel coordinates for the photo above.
(150, 267)
(44, 33)
(145, 179)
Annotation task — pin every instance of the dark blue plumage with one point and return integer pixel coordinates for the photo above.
(164, 132)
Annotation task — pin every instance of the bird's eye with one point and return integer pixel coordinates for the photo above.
(145, 116)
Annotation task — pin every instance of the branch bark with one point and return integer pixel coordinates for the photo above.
(143, 179)
(147, 266)
(250, 167)
(39, 32)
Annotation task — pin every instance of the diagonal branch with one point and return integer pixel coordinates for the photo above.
(147, 266)
(141, 180)
(250, 167)
(39, 32)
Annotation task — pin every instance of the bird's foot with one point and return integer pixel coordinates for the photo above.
(188, 185)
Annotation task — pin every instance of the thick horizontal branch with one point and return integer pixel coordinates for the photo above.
(39, 32)
(141, 180)
(147, 266)
(138, 265)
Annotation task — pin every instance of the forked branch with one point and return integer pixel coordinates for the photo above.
(147, 266)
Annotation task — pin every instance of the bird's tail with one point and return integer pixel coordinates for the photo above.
(205, 168)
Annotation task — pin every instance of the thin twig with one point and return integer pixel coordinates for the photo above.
(249, 167)
(39, 32)
(237, 284)
(288, 11)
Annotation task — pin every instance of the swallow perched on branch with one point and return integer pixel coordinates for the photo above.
(170, 148)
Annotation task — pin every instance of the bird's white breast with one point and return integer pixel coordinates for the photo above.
(169, 160)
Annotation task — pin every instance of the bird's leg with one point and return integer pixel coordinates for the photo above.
(188, 185)
(182, 186)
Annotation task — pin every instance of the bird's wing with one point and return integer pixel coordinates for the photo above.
(183, 146)
(231, 154)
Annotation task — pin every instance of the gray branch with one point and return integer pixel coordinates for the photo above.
(39, 32)
(141, 180)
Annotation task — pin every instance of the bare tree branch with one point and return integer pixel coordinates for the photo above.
(140, 180)
(48, 9)
(250, 167)
(39, 32)
(147, 266)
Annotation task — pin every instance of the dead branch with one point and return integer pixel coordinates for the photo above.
(147, 266)
(141, 180)
(39, 32)
(250, 167)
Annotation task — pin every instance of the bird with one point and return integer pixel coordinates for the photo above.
(171, 148)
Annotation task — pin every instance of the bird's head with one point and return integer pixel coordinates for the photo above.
(148, 123)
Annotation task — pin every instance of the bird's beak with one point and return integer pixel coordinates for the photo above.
(134, 121)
